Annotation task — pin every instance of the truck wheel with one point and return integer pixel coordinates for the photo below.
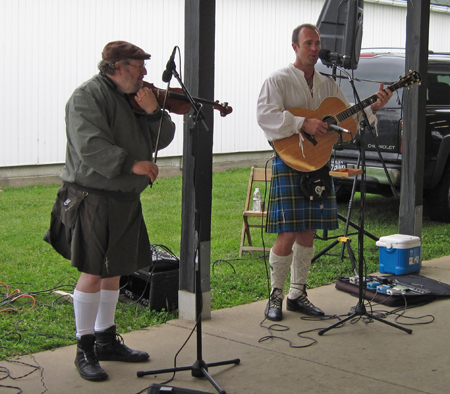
(439, 199)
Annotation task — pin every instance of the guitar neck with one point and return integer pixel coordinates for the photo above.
(315, 153)
(354, 109)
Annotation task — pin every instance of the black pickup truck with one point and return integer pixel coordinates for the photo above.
(388, 65)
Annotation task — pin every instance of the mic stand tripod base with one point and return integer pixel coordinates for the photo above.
(199, 369)
(360, 310)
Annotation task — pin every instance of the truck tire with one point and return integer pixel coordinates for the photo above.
(439, 199)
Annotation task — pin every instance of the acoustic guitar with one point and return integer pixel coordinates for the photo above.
(317, 149)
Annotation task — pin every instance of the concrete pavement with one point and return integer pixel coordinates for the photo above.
(357, 358)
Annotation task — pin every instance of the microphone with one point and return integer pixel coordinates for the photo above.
(170, 66)
(338, 129)
(328, 56)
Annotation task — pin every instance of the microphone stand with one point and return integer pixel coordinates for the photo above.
(377, 146)
(200, 368)
(360, 308)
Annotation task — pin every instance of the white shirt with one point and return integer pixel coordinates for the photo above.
(287, 88)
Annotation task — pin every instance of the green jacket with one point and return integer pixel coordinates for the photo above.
(105, 137)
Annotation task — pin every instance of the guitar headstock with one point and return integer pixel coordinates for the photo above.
(410, 78)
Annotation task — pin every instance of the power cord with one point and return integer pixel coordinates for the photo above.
(184, 344)
(10, 297)
(218, 262)
(7, 374)
(11, 302)
(398, 312)
(280, 328)
(176, 355)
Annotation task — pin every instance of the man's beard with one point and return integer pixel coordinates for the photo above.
(132, 85)
(137, 85)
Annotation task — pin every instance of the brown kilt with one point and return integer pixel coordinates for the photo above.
(101, 233)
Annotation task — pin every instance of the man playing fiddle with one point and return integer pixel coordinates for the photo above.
(97, 219)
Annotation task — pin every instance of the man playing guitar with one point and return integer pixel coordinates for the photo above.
(291, 215)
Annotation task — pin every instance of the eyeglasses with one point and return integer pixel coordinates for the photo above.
(140, 68)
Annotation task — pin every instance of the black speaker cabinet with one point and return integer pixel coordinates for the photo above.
(341, 24)
(153, 287)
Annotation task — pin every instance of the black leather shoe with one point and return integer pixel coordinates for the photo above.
(110, 347)
(303, 305)
(273, 308)
(86, 361)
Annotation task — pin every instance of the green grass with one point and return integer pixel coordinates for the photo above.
(30, 265)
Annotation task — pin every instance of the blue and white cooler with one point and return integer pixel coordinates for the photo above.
(399, 254)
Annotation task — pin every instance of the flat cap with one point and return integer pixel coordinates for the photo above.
(118, 50)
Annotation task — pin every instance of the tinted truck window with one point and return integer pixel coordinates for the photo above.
(388, 66)
(367, 76)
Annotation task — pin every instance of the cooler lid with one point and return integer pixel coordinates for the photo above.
(398, 241)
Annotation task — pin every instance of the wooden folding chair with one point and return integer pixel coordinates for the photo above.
(262, 176)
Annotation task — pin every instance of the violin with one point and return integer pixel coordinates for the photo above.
(176, 101)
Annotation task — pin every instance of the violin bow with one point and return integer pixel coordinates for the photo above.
(160, 124)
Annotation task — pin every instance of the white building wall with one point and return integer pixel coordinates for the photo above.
(253, 40)
(49, 47)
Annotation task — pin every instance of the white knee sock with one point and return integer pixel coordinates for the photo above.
(107, 309)
(301, 261)
(85, 307)
(279, 270)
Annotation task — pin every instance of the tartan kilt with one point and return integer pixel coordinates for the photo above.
(289, 211)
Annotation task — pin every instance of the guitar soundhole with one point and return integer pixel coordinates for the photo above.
(330, 120)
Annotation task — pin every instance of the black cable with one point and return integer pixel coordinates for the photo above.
(224, 261)
(262, 225)
(199, 313)
(399, 312)
(12, 387)
(281, 328)
(8, 374)
(300, 334)
(177, 353)
(11, 334)
(16, 294)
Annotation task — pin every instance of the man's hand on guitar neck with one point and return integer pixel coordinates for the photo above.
(314, 127)
(383, 97)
